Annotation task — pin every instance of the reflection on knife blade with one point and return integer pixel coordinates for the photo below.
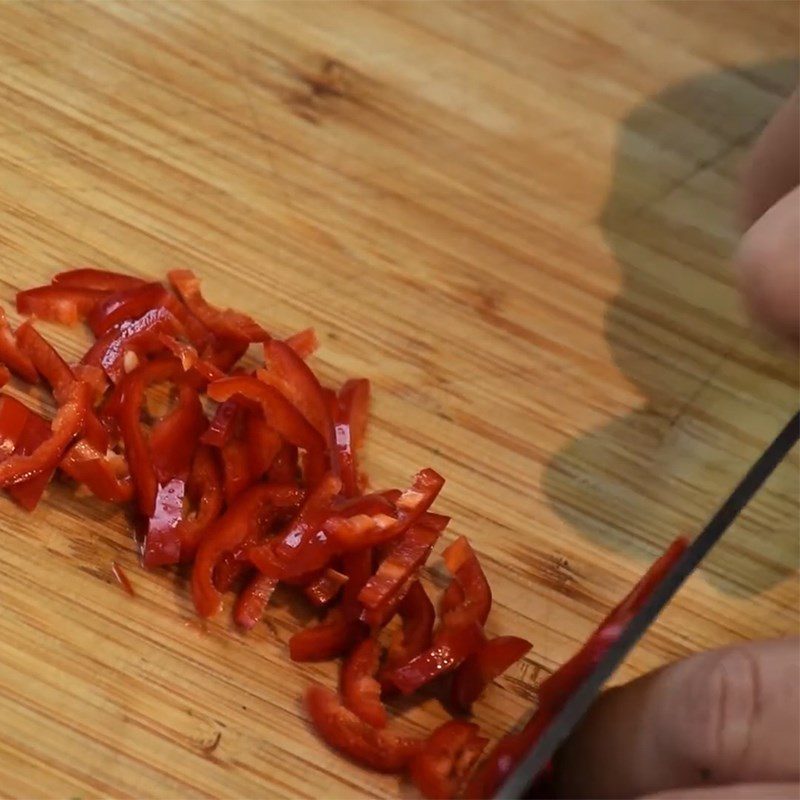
(519, 759)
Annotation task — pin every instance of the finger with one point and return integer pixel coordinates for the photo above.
(729, 716)
(768, 264)
(742, 791)
(773, 167)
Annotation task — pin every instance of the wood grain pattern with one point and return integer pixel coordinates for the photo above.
(514, 218)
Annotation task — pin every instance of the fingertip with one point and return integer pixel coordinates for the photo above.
(767, 264)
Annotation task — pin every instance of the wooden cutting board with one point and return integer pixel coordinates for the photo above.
(515, 219)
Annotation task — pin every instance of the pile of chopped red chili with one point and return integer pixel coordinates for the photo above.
(251, 476)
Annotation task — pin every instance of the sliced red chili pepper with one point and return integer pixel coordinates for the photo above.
(325, 587)
(139, 336)
(99, 279)
(418, 616)
(345, 732)
(404, 557)
(11, 355)
(68, 423)
(558, 687)
(446, 759)
(350, 427)
(60, 303)
(228, 531)
(28, 493)
(293, 378)
(123, 305)
(137, 451)
(304, 343)
(253, 601)
(104, 475)
(174, 438)
(279, 412)
(487, 664)
(463, 564)
(360, 690)
(363, 530)
(162, 541)
(451, 646)
(226, 323)
(332, 637)
(303, 548)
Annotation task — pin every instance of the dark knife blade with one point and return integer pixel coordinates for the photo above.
(537, 758)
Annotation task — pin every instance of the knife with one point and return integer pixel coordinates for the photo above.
(538, 757)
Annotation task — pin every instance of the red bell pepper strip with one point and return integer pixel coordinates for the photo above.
(463, 564)
(302, 548)
(123, 305)
(228, 531)
(446, 759)
(350, 426)
(204, 369)
(293, 378)
(11, 355)
(64, 304)
(361, 692)
(174, 437)
(99, 279)
(93, 377)
(223, 423)
(557, 688)
(451, 646)
(137, 451)
(404, 557)
(252, 602)
(418, 616)
(332, 637)
(66, 425)
(225, 323)
(13, 418)
(304, 343)
(492, 659)
(139, 336)
(325, 587)
(98, 472)
(278, 411)
(341, 729)
(237, 475)
(284, 467)
(263, 444)
(364, 530)
(314, 467)
(205, 488)
(162, 542)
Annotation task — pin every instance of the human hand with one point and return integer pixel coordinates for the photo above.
(768, 259)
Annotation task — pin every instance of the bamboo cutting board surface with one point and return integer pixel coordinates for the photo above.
(515, 219)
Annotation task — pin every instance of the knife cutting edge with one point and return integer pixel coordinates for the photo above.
(540, 754)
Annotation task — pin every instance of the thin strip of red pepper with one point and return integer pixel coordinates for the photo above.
(293, 378)
(558, 687)
(10, 354)
(325, 587)
(252, 602)
(162, 541)
(314, 467)
(66, 305)
(418, 616)
(98, 472)
(237, 475)
(28, 493)
(223, 423)
(332, 637)
(66, 425)
(226, 323)
(278, 411)
(205, 487)
(344, 731)
(493, 658)
(174, 437)
(463, 564)
(349, 431)
(13, 417)
(137, 451)
(451, 646)
(284, 467)
(126, 304)
(100, 279)
(405, 556)
(263, 444)
(228, 531)
(446, 759)
(304, 343)
(363, 530)
(361, 692)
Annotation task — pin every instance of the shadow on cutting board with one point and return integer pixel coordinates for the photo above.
(712, 397)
